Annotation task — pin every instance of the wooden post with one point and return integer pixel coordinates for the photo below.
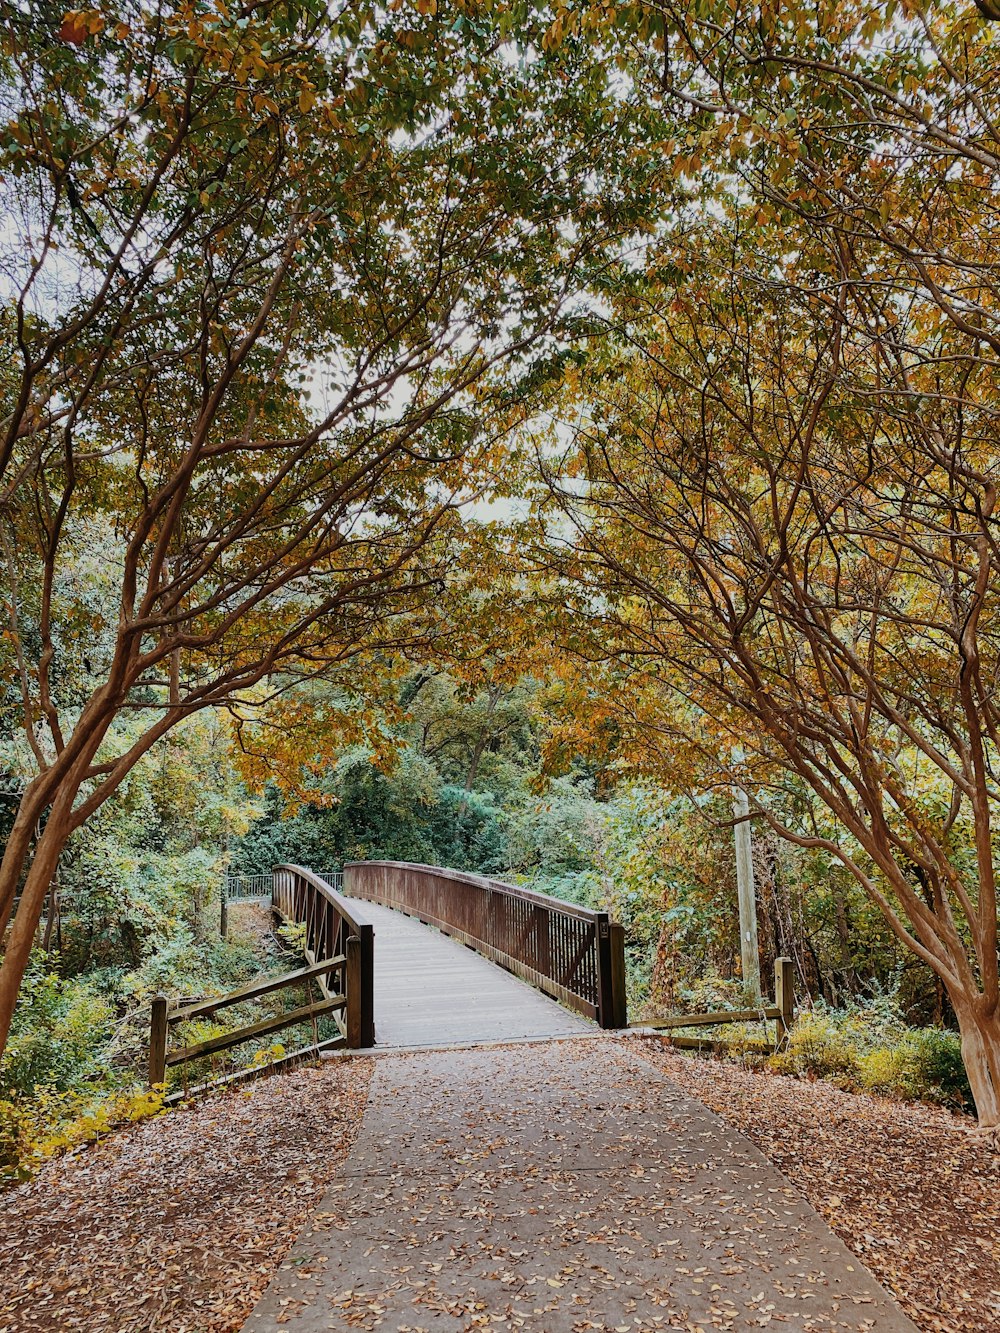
(359, 989)
(605, 973)
(619, 1006)
(158, 1041)
(784, 997)
(224, 909)
(352, 991)
(543, 952)
(367, 938)
(747, 894)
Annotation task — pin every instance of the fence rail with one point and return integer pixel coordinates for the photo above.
(338, 948)
(782, 1012)
(572, 953)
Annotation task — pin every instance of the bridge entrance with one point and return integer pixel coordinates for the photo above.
(498, 958)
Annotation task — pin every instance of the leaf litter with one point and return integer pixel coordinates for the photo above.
(913, 1190)
(178, 1223)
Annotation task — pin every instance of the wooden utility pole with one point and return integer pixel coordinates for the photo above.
(747, 894)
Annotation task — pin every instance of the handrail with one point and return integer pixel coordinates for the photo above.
(573, 953)
(163, 1018)
(332, 926)
(350, 912)
(480, 881)
(255, 991)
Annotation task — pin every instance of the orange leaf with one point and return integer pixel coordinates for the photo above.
(74, 29)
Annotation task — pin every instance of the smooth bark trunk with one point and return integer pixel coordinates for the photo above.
(29, 913)
(981, 1055)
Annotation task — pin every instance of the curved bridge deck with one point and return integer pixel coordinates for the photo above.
(432, 991)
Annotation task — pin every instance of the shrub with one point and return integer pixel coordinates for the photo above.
(60, 1029)
(940, 1057)
(889, 1073)
(32, 1129)
(13, 1140)
(710, 992)
(819, 1045)
(871, 1049)
(925, 1066)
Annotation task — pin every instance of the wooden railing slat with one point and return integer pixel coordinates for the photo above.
(273, 1024)
(255, 990)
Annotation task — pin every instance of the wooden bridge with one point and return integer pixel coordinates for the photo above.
(501, 962)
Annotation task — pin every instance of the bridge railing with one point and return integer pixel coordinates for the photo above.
(246, 888)
(333, 927)
(338, 944)
(572, 953)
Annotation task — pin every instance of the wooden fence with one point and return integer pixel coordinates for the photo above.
(572, 953)
(782, 1012)
(338, 947)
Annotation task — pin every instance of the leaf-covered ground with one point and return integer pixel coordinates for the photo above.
(179, 1222)
(560, 1187)
(913, 1190)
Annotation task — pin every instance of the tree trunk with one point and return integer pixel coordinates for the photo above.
(747, 896)
(29, 911)
(842, 925)
(53, 913)
(981, 1056)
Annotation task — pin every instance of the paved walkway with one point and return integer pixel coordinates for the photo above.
(430, 990)
(560, 1187)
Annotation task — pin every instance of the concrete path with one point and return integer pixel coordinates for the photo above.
(430, 990)
(560, 1187)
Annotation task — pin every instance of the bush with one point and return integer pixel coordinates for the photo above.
(871, 1049)
(13, 1139)
(925, 1066)
(710, 992)
(940, 1056)
(59, 1032)
(32, 1129)
(821, 1046)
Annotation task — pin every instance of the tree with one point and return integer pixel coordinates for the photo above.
(271, 271)
(787, 522)
(786, 557)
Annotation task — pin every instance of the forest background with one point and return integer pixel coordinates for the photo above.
(698, 302)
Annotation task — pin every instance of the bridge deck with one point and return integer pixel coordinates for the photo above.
(430, 990)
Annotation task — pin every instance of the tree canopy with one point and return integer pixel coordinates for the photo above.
(273, 278)
(461, 389)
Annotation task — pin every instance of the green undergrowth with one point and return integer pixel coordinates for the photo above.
(864, 1047)
(75, 1065)
(871, 1049)
(32, 1129)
